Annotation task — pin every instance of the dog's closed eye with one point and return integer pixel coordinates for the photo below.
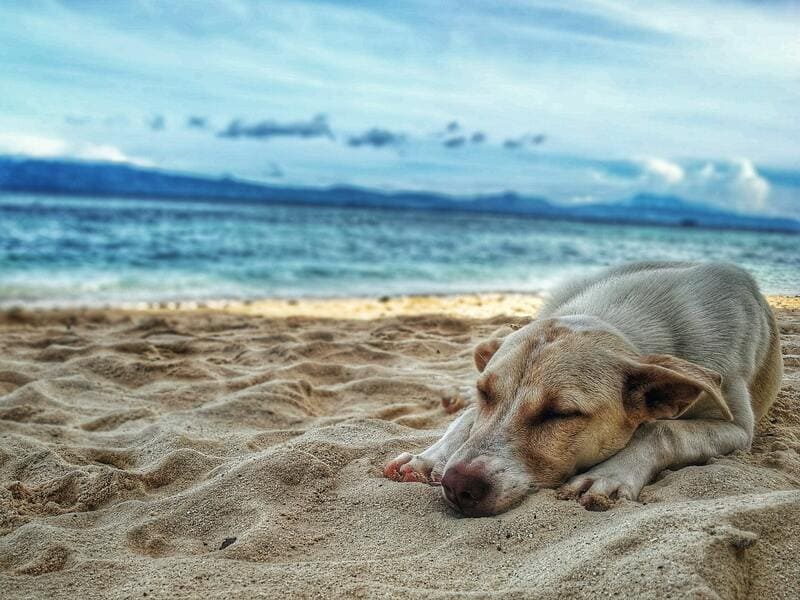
(552, 414)
(556, 409)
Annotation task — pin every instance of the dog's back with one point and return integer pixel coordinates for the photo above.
(765, 385)
(710, 314)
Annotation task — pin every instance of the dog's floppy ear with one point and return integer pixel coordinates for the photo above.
(661, 386)
(485, 351)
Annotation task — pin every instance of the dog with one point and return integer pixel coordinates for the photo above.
(625, 373)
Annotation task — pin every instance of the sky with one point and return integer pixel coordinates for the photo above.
(576, 102)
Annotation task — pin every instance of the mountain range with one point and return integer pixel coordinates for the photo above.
(78, 178)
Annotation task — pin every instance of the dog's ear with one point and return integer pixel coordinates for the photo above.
(661, 386)
(485, 351)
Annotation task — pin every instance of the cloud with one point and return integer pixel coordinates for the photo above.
(32, 145)
(730, 184)
(195, 122)
(665, 170)
(157, 123)
(455, 142)
(453, 128)
(107, 153)
(316, 127)
(478, 137)
(44, 147)
(529, 139)
(377, 138)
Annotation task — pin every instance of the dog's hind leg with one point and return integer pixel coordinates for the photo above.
(426, 466)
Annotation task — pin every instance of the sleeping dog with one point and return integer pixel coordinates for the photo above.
(623, 374)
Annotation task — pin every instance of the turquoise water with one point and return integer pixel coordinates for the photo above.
(65, 251)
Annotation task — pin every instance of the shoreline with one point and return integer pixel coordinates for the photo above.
(467, 305)
(480, 305)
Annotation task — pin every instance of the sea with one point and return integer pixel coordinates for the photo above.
(73, 251)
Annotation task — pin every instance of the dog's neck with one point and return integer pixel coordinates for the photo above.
(585, 322)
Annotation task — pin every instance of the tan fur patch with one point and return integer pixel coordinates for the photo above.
(486, 383)
(553, 330)
(570, 415)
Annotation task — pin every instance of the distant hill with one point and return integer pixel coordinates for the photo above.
(110, 179)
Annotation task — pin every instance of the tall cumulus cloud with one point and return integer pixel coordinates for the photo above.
(732, 184)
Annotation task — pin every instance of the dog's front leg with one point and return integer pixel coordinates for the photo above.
(655, 446)
(426, 467)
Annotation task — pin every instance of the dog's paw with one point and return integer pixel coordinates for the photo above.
(595, 491)
(411, 468)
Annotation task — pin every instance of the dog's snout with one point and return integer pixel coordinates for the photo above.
(465, 488)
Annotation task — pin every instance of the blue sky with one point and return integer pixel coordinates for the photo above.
(578, 102)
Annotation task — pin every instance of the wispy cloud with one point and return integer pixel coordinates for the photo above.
(377, 138)
(157, 122)
(478, 137)
(455, 136)
(196, 122)
(529, 139)
(455, 142)
(314, 128)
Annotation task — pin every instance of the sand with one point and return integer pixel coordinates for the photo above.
(236, 452)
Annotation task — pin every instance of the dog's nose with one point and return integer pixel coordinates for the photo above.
(465, 488)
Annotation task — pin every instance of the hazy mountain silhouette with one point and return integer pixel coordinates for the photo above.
(109, 179)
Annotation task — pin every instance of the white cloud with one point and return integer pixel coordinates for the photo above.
(46, 147)
(732, 184)
(663, 170)
(31, 145)
(108, 153)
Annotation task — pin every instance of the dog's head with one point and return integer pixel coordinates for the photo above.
(557, 397)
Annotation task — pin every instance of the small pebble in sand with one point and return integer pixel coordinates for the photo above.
(227, 542)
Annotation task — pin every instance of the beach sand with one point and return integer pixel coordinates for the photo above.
(236, 451)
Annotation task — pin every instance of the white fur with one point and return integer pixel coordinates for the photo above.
(711, 315)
